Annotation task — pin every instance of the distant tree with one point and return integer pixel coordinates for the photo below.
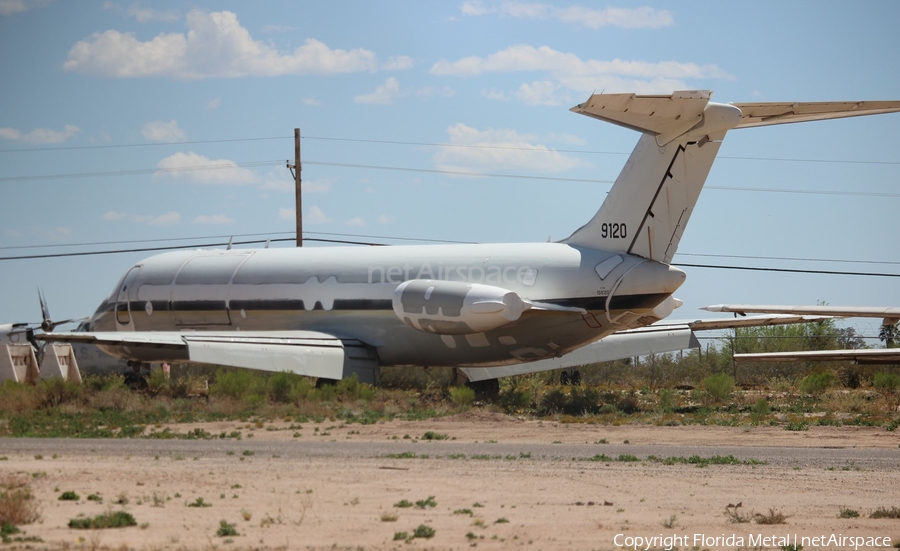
(888, 334)
(849, 339)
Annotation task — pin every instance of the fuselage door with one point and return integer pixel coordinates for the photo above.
(123, 308)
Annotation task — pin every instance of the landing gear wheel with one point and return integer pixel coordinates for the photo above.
(564, 378)
(575, 378)
(320, 382)
(487, 390)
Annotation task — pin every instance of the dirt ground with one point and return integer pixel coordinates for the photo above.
(505, 492)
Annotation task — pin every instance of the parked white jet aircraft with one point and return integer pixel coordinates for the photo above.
(889, 315)
(488, 309)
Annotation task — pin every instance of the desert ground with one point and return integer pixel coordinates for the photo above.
(495, 482)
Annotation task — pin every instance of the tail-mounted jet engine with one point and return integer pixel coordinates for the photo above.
(455, 307)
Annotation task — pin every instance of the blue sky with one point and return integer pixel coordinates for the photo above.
(109, 108)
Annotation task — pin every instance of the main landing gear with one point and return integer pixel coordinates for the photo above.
(570, 377)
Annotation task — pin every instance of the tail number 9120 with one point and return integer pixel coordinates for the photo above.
(613, 231)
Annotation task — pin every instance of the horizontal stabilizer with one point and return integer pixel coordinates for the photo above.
(764, 114)
(663, 116)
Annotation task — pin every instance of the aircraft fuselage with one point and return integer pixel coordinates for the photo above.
(575, 295)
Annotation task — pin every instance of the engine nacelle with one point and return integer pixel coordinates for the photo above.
(455, 307)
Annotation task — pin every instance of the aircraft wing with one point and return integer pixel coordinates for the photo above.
(302, 352)
(624, 344)
(890, 315)
(662, 336)
(863, 356)
(711, 324)
(764, 114)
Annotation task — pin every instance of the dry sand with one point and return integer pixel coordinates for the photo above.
(508, 492)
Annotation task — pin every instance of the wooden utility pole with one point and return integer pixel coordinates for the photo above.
(298, 198)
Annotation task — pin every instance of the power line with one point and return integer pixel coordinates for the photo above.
(252, 242)
(797, 259)
(420, 170)
(428, 144)
(138, 171)
(226, 237)
(230, 236)
(783, 270)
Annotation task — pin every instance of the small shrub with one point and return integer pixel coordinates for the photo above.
(462, 396)
(719, 386)
(760, 410)
(403, 504)
(735, 517)
(69, 496)
(226, 529)
(389, 517)
(797, 426)
(884, 512)
(771, 517)
(17, 505)
(400, 536)
(817, 383)
(429, 503)
(118, 519)
(667, 401)
(199, 502)
(552, 402)
(423, 531)
(430, 435)
(889, 382)
(848, 513)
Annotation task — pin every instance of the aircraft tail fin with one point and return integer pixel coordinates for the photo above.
(649, 205)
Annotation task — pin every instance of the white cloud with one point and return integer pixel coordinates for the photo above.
(316, 216)
(398, 63)
(627, 18)
(168, 219)
(383, 95)
(145, 15)
(10, 134)
(213, 104)
(159, 131)
(9, 7)
(541, 92)
(202, 170)
(41, 135)
(311, 101)
(567, 72)
(385, 219)
(282, 181)
(216, 45)
(287, 214)
(113, 215)
(474, 150)
(213, 219)
(356, 222)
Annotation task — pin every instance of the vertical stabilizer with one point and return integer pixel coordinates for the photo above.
(648, 207)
